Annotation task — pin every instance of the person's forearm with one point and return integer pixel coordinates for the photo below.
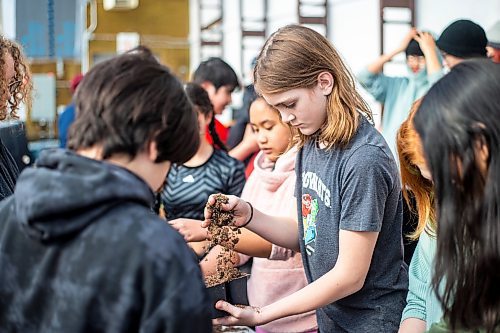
(377, 66)
(209, 263)
(412, 325)
(253, 245)
(200, 248)
(279, 230)
(329, 288)
(432, 62)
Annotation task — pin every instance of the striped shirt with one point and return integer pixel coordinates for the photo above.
(188, 188)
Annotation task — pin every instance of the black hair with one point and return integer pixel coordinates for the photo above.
(413, 49)
(125, 103)
(218, 72)
(458, 121)
(199, 97)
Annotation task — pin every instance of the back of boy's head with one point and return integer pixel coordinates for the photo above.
(463, 39)
(127, 102)
(217, 72)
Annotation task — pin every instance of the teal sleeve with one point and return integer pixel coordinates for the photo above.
(376, 84)
(419, 284)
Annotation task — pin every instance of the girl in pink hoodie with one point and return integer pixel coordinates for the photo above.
(276, 271)
(270, 188)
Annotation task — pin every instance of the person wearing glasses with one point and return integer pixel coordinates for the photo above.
(15, 88)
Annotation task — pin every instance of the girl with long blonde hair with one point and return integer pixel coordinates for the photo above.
(347, 192)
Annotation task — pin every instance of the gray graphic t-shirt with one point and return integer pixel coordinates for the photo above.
(357, 189)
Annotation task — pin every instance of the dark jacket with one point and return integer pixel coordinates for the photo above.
(81, 251)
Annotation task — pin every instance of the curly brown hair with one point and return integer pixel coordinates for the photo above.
(18, 90)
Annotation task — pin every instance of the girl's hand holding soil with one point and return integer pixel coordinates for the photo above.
(239, 315)
(241, 210)
(190, 229)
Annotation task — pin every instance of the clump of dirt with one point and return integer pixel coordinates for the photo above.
(224, 233)
(221, 217)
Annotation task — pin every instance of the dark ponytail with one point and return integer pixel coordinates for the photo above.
(199, 98)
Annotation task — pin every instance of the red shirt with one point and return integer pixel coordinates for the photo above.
(221, 130)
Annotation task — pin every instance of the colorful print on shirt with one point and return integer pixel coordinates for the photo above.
(310, 210)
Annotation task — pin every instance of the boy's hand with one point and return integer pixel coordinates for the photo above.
(241, 209)
(190, 229)
(239, 315)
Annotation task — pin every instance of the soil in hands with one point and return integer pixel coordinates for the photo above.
(223, 233)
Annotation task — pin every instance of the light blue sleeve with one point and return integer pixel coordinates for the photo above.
(422, 302)
(376, 84)
(420, 283)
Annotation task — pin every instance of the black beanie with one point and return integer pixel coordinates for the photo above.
(463, 39)
(413, 49)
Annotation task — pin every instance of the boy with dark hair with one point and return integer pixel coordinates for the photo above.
(80, 248)
(219, 80)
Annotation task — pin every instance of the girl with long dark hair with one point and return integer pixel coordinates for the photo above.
(210, 170)
(459, 126)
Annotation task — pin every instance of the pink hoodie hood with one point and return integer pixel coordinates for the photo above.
(270, 178)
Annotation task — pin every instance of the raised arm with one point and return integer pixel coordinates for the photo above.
(377, 66)
(428, 47)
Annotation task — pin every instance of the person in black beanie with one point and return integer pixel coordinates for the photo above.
(462, 39)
